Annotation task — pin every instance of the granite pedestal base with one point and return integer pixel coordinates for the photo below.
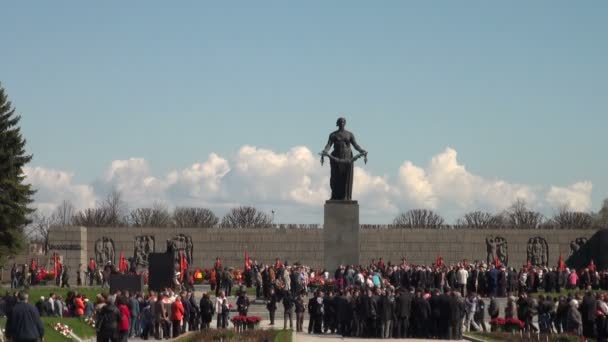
(341, 234)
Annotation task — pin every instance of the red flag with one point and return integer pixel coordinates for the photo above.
(56, 265)
(183, 265)
(496, 262)
(591, 266)
(439, 261)
(123, 266)
(561, 265)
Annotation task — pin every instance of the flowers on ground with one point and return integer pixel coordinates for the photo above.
(507, 324)
(90, 322)
(63, 329)
(246, 319)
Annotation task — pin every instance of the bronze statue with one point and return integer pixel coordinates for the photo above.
(342, 161)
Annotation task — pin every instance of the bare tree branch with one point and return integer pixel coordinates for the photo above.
(246, 217)
(481, 220)
(520, 217)
(157, 216)
(419, 218)
(567, 219)
(194, 217)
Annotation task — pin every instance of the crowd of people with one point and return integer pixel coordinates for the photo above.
(381, 300)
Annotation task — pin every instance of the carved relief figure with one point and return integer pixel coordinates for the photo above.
(497, 249)
(576, 244)
(538, 251)
(179, 243)
(143, 246)
(104, 251)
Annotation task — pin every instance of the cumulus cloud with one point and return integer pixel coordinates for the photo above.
(296, 182)
(53, 186)
(446, 183)
(576, 197)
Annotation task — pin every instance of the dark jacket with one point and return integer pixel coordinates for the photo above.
(387, 308)
(24, 323)
(404, 305)
(108, 320)
(207, 309)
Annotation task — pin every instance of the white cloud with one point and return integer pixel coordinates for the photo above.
(52, 187)
(446, 184)
(577, 196)
(296, 182)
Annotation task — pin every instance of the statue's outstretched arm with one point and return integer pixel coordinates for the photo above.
(353, 141)
(326, 149)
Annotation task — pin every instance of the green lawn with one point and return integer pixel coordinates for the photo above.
(78, 326)
(36, 292)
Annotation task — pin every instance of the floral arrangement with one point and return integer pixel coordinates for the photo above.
(508, 324)
(242, 323)
(63, 329)
(90, 321)
(199, 276)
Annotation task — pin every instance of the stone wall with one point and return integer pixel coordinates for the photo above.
(422, 246)
(306, 245)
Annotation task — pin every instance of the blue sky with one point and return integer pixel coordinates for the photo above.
(517, 88)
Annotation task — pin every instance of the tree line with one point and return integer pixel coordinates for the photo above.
(517, 216)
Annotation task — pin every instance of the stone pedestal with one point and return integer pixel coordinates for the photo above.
(341, 234)
(70, 243)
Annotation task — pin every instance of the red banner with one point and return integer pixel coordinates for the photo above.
(561, 265)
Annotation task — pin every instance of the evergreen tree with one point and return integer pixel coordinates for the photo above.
(15, 195)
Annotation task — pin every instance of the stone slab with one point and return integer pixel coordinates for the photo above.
(341, 234)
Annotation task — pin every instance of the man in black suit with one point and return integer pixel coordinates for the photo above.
(403, 311)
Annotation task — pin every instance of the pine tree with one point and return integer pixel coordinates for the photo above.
(15, 195)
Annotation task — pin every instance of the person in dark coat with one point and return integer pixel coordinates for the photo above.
(272, 305)
(387, 314)
(288, 306)
(242, 302)
(456, 312)
(588, 310)
(344, 314)
(24, 323)
(329, 313)
(502, 282)
(550, 281)
(311, 307)
(207, 310)
(421, 312)
(403, 311)
(108, 320)
(375, 323)
(435, 314)
(366, 314)
(316, 313)
(300, 308)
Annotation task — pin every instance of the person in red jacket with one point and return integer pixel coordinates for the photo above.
(125, 313)
(78, 306)
(177, 315)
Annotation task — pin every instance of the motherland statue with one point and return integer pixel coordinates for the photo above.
(342, 161)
